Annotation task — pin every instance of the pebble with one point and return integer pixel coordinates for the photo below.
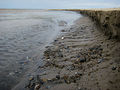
(76, 73)
(82, 60)
(37, 87)
(49, 80)
(63, 30)
(114, 68)
(58, 76)
(62, 38)
(48, 59)
(100, 60)
(55, 40)
(78, 56)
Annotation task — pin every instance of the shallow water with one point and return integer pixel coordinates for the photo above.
(23, 37)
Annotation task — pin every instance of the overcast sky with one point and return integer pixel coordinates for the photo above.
(58, 4)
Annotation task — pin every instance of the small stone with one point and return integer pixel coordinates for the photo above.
(62, 38)
(82, 60)
(49, 80)
(114, 68)
(63, 30)
(100, 60)
(78, 56)
(76, 73)
(37, 87)
(80, 74)
(55, 40)
(48, 59)
(58, 76)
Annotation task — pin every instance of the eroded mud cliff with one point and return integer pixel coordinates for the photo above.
(107, 19)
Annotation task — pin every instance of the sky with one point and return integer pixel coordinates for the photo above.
(58, 4)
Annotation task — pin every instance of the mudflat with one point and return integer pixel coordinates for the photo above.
(82, 58)
(24, 34)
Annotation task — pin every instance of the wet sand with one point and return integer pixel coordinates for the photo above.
(82, 58)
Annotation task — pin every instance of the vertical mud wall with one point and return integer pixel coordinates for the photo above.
(108, 20)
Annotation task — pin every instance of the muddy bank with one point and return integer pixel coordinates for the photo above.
(82, 58)
(107, 19)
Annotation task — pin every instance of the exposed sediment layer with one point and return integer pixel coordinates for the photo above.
(107, 19)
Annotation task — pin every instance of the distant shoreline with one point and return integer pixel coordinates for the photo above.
(62, 9)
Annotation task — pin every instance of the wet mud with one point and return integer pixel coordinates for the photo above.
(82, 58)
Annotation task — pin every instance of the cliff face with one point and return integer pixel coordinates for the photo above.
(108, 20)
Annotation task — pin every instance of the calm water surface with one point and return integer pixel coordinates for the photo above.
(23, 37)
